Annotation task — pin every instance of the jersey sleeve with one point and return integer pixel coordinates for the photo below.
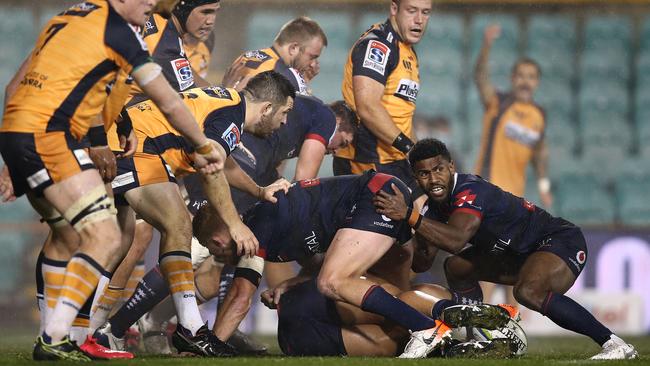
(469, 199)
(323, 125)
(374, 58)
(225, 126)
(126, 46)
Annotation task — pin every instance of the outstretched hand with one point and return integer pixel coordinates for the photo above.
(393, 206)
(491, 33)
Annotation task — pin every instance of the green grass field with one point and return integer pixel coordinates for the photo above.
(16, 350)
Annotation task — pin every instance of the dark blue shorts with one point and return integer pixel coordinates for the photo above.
(563, 239)
(308, 323)
(364, 216)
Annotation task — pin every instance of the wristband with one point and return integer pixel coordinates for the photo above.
(414, 218)
(125, 126)
(544, 185)
(403, 143)
(97, 136)
(204, 149)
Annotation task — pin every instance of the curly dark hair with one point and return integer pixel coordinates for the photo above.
(428, 148)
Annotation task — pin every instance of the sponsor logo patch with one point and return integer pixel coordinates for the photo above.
(150, 27)
(232, 136)
(581, 256)
(260, 56)
(376, 57)
(466, 196)
(183, 72)
(407, 89)
(309, 182)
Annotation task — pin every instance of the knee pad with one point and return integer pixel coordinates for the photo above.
(94, 206)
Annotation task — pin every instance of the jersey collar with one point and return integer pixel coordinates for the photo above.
(392, 34)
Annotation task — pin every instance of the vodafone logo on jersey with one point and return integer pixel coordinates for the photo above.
(581, 257)
(183, 73)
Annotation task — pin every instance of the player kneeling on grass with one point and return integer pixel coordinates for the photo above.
(512, 242)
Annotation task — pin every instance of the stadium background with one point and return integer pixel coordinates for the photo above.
(595, 88)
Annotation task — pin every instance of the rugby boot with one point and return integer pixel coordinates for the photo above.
(104, 336)
(423, 342)
(204, 343)
(154, 337)
(495, 348)
(481, 316)
(65, 350)
(616, 349)
(246, 345)
(98, 352)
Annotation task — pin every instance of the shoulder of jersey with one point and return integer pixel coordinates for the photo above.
(151, 26)
(257, 55)
(381, 33)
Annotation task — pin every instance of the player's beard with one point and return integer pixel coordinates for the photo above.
(265, 126)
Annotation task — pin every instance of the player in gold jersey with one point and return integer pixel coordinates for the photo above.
(60, 89)
(147, 181)
(381, 83)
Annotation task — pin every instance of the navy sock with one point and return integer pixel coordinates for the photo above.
(46, 338)
(440, 306)
(570, 315)
(378, 301)
(468, 295)
(225, 280)
(40, 285)
(151, 290)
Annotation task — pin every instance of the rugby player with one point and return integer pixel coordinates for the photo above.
(309, 119)
(513, 242)
(332, 216)
(381, 83)
(295, 49)
(60, 88)
(146, 182)
(188, 19)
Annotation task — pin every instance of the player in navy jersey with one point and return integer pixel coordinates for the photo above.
(312, 129)
(334, 216)
(511, 242)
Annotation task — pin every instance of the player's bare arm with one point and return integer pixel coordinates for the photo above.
(309, 160)
(450, 237)
(482, 73)
(367, 96)
(234, 308)
(238, 178)
(218, 193)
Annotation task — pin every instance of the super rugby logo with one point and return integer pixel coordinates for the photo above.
(376, 57)
(261, 56)
(183, 72)
(408, 90)
(231, 136)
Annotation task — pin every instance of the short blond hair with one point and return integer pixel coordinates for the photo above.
(300, 30)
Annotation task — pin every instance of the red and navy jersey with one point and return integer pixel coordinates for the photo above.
(508, 223)
(304, 221)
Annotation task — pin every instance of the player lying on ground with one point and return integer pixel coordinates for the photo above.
(512, 242)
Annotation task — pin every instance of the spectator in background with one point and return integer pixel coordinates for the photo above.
(513, 131)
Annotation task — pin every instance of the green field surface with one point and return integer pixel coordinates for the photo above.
(16, 350)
